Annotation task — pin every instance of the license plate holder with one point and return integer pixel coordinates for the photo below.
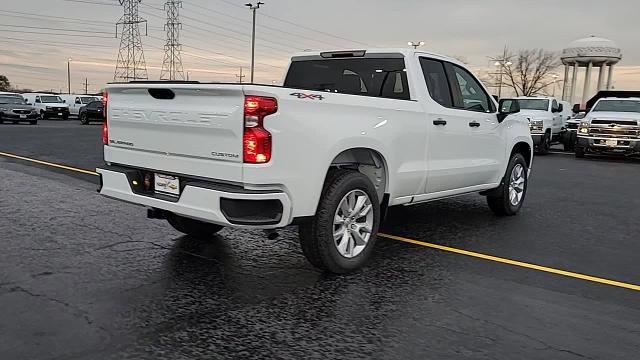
(23, 116)
(166, 184)
(611, 142)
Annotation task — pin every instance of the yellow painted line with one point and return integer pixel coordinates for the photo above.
(514, 262)
(406, 240)
(64, 167)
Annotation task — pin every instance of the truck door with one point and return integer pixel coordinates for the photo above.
(464, 147)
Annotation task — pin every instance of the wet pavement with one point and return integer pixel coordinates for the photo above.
(84, 277)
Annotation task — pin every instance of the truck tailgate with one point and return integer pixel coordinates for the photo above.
(190, 129)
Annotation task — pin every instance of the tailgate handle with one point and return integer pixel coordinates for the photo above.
(162, 94)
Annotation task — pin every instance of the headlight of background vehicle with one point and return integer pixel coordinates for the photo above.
(584, 128)
(536, 125)
(4, 109)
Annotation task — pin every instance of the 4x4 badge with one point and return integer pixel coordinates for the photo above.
(308, 96)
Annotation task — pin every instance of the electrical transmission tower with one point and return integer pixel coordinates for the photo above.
(172, 62)
(131, 64)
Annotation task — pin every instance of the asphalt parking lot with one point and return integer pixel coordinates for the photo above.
(84, 277)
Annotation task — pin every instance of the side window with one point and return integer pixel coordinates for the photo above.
(554, 106)
(38, 99)
(395, 86)
(468, 93)
(78, 100)
(437, 83)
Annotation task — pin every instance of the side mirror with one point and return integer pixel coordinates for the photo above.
(507, 107)
(64, 101)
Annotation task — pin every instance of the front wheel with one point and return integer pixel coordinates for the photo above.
(341, 237)
(192, 227)
(83, 119)
(545, 145)
(510, 198)
(570, 141)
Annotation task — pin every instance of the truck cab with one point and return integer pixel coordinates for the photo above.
(547, 120)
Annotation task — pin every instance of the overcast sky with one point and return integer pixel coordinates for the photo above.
(39, 35)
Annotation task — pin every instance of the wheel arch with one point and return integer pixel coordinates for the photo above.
(367, 161)
(525, 150)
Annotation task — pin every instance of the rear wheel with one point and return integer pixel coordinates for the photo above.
(341, 237)
(510, 198)
(192, 227)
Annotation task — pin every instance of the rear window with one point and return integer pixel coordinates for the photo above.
(386, 78)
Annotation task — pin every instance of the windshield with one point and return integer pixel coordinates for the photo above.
(618, 106)
(11, 100)
(88, 100)
(50, 99)
(534, 104)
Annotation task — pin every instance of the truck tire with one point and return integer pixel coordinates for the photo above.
(192, 227)
(570, 141)
(545, 145)
(510, 198)
(579, 151)
(341, 237)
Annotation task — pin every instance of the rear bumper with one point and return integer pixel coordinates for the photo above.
(205, 201)
(627, 146)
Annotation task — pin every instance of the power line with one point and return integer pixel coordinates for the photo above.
(172, 63)
(55, 29)
(53, 34)
(301, 26)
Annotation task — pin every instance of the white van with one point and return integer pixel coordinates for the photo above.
(49, 105)
(75, 102)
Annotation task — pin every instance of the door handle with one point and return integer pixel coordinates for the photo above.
(474, 124)
(439, 121)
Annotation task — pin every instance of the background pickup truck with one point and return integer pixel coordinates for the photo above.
(611, 126)
(349, 134)
(547, 121)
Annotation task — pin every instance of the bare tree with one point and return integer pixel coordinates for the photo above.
(5, 85)
(530, 71)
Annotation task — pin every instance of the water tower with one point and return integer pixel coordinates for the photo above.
(589, 53)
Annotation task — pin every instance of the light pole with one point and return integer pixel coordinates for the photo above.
(69, 74)
(253, 8)
(502, 64)
(188, 75)
(415, 44)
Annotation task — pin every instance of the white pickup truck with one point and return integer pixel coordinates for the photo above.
(547, 121)
(349, 134)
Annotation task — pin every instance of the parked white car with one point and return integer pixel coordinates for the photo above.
(75, 102)
(547, 121)
(349, 134)
(612, 126)
(48, 105)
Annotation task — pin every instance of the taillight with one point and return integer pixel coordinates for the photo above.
(105, 128)
(256, 147)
